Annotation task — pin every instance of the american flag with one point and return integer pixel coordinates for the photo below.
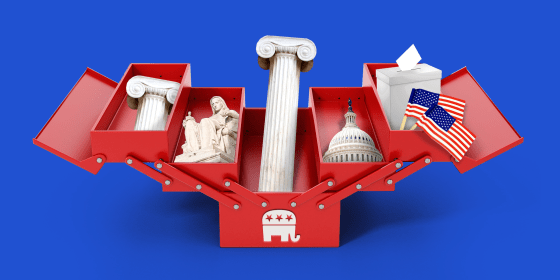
(446, 131)
(421, 100)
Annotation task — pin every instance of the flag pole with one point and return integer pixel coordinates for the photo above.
(412, 93)
(403, 122)
(413, 127)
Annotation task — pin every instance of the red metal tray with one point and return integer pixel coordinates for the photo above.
(494, 134)
(67, 133)
(199, 106)
(113, 134)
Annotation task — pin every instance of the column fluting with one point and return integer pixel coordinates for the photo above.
(278, 153)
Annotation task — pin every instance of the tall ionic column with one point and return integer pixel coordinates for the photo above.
(152, 98)
(285, 57)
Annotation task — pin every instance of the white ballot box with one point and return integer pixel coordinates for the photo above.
(394, 87)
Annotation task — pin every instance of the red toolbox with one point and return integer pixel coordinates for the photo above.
(94, 125)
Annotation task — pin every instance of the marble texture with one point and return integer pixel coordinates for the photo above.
(214, 139)
(153, 99)
(285, 57)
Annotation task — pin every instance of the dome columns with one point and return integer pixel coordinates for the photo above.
(352, 144)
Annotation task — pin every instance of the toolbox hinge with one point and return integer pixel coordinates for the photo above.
(245, 193)
(384, 172)
(150, 172)
(359, 185)
(197, 185)
(407, 171)
(313, 192)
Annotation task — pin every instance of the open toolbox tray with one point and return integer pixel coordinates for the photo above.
(94, 125)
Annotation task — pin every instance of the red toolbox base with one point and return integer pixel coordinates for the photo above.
(244, 227)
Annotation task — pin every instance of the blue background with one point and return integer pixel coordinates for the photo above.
(499, 220)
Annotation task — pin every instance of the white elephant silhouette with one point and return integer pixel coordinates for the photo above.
(279, 222)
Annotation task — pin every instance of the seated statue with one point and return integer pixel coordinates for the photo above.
(213, 139)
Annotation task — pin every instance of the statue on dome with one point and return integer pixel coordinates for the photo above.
(213, 139)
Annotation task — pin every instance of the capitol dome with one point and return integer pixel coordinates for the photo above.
(352, 144)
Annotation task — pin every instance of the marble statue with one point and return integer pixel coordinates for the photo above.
(285, 57)
(214, 139)
(153, 99)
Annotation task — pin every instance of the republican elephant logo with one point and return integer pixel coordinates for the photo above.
(279, 222)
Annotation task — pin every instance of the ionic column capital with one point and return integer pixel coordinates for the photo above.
(137, 86)
(268, 46)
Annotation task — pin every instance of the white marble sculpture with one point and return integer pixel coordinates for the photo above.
(213, 139)
(153, 99)
(285, 57)
(352, 144)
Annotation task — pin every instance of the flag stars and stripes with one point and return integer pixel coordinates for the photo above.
(424, 98)
(421, 100)
(447, 131)
(442, 118)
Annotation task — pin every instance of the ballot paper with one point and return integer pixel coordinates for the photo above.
(409, 59)
(394, 87)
